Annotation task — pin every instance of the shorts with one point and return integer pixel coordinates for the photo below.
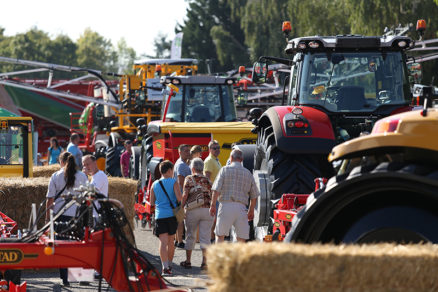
(232, 214)
(166, 225)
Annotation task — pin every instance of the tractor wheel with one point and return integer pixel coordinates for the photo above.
(277, 173)
(386, 202)
(134, 162)
(100, 155)
(146, 155)
(112, 160)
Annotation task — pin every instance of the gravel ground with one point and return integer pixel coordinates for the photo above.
(48, 280)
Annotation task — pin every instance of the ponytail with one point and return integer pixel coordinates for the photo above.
(69, 168)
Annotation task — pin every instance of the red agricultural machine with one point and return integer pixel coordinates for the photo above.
(107, 246)
(339, 87)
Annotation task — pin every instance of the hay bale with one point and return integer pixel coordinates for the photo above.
(45, 170)
(18, 194)
(124, 190)
(299, 267)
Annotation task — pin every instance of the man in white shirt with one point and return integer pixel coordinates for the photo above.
(100, 182)
(98, 177)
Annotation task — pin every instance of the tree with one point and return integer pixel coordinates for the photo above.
(228, 35)
(96, 52)
(125, 57)
(261, 23)
(197, 42)
(162, 46)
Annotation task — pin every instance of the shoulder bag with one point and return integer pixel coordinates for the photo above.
(177, 210)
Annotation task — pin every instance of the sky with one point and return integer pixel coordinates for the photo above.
(138, 21)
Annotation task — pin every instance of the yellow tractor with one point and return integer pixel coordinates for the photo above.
(16, 155)
(141, 98)
(386, 187)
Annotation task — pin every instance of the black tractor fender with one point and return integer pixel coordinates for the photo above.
(396, 200)
(293, 144)
(248, 151)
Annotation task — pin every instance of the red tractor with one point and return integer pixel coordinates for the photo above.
(338, 87)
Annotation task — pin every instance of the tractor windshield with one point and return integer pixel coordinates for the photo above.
(11, 145)
(353, 82)
(202, 103)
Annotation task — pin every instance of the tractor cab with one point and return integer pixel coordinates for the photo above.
(347, 74)
(198, 99)
(16, 154)
(353, 80)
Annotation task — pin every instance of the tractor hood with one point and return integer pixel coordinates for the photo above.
(410, 130)
(157, 127)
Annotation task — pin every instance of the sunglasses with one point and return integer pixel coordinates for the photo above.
(215, 148)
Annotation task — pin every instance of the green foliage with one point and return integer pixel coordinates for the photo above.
(125, 58)
(162, 46)
(94, 51)
(197, 42)
(90, 51)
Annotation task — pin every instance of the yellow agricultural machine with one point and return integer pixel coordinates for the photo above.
(16, 156)
(141, 98)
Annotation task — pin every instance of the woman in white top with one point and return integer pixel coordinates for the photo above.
(63, 181)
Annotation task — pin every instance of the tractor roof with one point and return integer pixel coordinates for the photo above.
(347, 42)
(166, 61)
(197, 80)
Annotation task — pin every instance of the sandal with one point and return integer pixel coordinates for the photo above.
(204, 266)
(185, 265)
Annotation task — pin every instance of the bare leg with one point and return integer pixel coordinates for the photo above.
(212, 228)
(220, 238)
(179, 232)
(204, 256)
(188, 256)
(164, 242)
(240, 239)
(170, 248)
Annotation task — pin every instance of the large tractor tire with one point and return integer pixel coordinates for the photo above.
(100, 154)
(146, 155)
(112, 159)
(277, 173)
(135, 162)
(386, 202)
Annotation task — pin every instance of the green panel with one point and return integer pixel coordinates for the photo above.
(6, 113)
(41, 106)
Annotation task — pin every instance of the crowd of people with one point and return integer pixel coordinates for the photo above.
(214, 198)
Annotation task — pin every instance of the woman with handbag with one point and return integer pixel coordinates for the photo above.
(196, 200)
(165, 195)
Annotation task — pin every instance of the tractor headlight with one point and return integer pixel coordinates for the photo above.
(302, 45)
(314, 45)
(402, 44)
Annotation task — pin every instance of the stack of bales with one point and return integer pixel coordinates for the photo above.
(18, 194)
(299, 267)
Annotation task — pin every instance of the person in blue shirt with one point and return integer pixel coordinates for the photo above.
(74, 149)
(54, 151)
(165, 221)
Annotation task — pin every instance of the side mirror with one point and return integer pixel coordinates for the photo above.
(255, 114)
(140, 122)
(259, 72)
(415, 73)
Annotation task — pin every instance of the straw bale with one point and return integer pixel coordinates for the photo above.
(18, 194)
(299, 267)
(124, 190)
(45, 170)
